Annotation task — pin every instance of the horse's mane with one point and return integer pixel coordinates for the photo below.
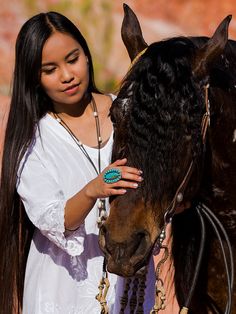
(163, 110)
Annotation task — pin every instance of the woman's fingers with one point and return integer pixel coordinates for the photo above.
(126, 170)
(130, 178)
(117, 192)
(132, 174)
(119, 162)
(129, 174)
(120, 187)
(125, 184)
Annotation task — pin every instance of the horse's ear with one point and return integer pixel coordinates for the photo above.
(212, 49)
(131, 33)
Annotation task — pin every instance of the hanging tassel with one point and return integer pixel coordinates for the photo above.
(101, 296)
(184, 310)
(160, 298)
(125, 298)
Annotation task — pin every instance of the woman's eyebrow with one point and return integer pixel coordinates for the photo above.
(71, 53)
(66, 57)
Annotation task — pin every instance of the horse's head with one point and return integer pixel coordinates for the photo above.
(157, 120)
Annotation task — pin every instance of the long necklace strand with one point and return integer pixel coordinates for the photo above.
(104, 282)
(78, 142)
(99, 138)
(101, 202)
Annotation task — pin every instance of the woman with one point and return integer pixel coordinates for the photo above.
(55, 107)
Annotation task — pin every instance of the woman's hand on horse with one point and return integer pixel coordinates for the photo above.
(130, 179)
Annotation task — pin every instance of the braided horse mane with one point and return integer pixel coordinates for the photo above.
(157, 119)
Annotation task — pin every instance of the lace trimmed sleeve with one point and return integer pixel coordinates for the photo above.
(44, 202)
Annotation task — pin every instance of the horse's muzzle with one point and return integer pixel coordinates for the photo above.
(125, 258)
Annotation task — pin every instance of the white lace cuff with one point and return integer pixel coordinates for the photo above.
(51, 224)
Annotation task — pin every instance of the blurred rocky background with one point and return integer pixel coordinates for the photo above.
(100, 22)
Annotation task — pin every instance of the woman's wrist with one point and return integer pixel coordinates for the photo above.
(89, 193)
(78, 207)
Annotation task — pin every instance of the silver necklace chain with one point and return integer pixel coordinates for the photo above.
(101, 202)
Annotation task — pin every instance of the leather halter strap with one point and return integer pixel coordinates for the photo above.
(179, 195)
(206, 116)
(178, 198)
(137, 57)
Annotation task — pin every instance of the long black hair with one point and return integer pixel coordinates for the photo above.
(29, 104)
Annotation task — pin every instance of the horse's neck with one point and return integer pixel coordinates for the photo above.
(220, 167)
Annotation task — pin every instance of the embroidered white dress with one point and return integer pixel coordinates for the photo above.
(63, 269)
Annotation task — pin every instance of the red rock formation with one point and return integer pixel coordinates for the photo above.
(4, 108)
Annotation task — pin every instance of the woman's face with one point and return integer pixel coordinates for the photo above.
(64, 70)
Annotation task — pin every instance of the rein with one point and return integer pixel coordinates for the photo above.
(229, 265)
(203, 210)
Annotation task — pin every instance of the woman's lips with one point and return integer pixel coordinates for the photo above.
(71, 89)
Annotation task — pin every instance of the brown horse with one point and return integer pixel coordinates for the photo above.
(175, 118)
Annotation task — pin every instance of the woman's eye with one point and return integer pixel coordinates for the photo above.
(48, 71)
(73, 60)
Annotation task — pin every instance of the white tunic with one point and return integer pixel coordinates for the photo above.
(63, 269)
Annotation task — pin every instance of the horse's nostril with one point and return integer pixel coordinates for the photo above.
(104, 241)
(141, 239)
(140, 236)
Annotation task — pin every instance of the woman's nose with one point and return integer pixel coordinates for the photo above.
(66, 75)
